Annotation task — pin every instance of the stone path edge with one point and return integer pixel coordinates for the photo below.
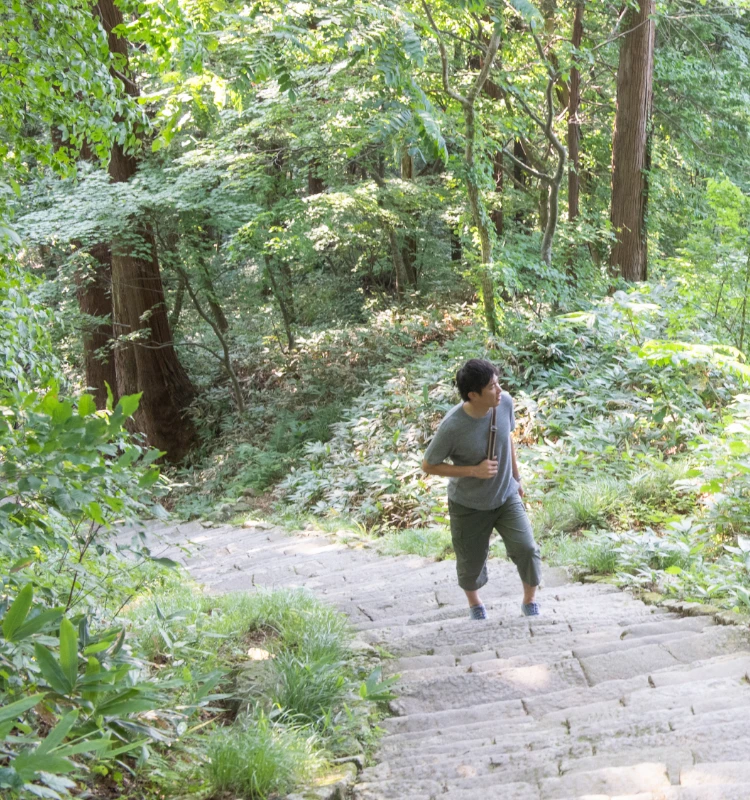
(685, 608)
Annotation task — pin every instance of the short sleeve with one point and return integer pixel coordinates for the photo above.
(440, 447)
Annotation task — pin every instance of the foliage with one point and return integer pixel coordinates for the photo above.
(309, 388)
(306, 180)
(260, 759)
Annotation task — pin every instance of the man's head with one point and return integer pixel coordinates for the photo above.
(474, 377)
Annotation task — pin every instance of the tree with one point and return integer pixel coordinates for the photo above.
(574, 131)
(467, 103)
(551, 182)
(145, 358)
(94, 293)
(629, 257)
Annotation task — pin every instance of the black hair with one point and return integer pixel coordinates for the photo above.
(475, 374)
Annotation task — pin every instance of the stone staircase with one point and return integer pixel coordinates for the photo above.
(601, 698)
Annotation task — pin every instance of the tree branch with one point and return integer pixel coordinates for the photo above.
(517, 161)
(489, 58)
(459, 98)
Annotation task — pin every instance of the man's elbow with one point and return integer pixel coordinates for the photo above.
(427, 467)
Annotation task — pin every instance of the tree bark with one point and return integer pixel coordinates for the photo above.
(94, 295)
(179, 299)
(286, 316)
(93, 291)
(409, 250)
(207, 285)
(145, 358)
(574, 133)
(315, 184)
(496, 215)
(493, 91)
(629, 256)
(521, 179)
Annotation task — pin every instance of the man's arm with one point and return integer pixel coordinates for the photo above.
(487, 469)
(514, 465)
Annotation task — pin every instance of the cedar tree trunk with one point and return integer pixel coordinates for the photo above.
(574, 132)
(630, 145)
(149, 363)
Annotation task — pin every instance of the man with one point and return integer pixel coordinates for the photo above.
(483, 493)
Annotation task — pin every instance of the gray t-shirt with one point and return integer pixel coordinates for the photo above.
(463, 439)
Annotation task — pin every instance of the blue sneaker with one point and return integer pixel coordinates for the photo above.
(531, 609)
(478, 612)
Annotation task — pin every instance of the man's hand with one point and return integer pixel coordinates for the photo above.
(520, 489)
(487, 469)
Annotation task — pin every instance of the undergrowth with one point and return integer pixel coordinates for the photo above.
(627, 426)
(288, 693)
(294, 398)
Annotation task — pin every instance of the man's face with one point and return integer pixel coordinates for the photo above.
(490, 395)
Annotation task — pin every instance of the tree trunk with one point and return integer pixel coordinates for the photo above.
(286, 316)
(409, 250)
(492, 90)
(397, 259)
(179, 299)
(479, 219)
(629, 256)
(93, 291)
(315, 184)
(147, 362)
(521, 179)
(94, 295)
(574, 133)
(497, 213)
(217, 311)
(456, 252)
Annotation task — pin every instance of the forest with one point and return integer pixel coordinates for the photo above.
(245, 246)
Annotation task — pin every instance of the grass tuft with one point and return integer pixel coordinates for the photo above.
(259, 759)
(425, 542)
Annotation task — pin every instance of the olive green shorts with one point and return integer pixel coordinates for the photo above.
(471, 530)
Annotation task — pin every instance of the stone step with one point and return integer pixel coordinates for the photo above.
(601, 697)
(564, 758)
(388, 611)
(718, 792)
(643, 777)
(533, 653)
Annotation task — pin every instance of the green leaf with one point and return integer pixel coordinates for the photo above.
(50, 669)
(529, 12)
(62, 413)
(93, 668)
(18, 611)
(673, 570)
(86, 405)
(13, 710)
(110, 396)
(127, 747)
(92, 745)
(165, 562)
(21, 564)
(94, 511)
(128, 404)
(38, 622)
(69, 651)
(149, 478)
(127, 702)
(56, 736)
(27, 764)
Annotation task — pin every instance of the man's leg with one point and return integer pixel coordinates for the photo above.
(512, 523)
(470, 532)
